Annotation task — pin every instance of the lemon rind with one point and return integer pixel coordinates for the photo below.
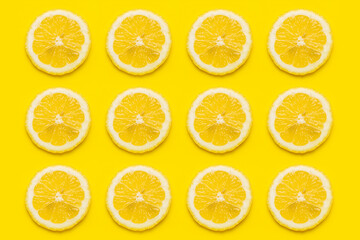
(245, 131)
(68, 223)
(83, 132)
(150, 223)
(311, 145)
(231, 67)
(150, 145)
(150, 67)
(311, 67)
(245, 209)
(313, 222)
(85, 49)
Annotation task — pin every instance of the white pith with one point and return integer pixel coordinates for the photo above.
(149, 223)
(150, 67)
(70, 222)
(230, 145)
(82, 54)
(311, 145)
(149, 145)
(311, 223)
(69, 145)
(311, 67)
(244, 53)
(231, 222)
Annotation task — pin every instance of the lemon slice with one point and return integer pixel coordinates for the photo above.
(58, 42)
(138, 198)
(58, 120)
(138, 42)
(219, 42)
(300, 42)
(138, 120)
(219, 120)
(300, 198)
(58, 198)
(219, 198)
(300, 120)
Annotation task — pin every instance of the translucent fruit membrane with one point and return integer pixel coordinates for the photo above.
(138, 119)
(300, 196)
(219, 119)
(300, 119)
(58, 196)
(138, 41)
(138, 197)
(58, 119)
(219, 41)
(300, 41)
(58, 41)
(219, 196)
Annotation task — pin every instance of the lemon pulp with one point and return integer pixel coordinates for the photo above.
(58, 196)
(300, 119)
(138, 197)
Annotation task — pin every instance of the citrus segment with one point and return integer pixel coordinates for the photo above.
(300, 42)
(138, 120)
(219, 198)
(58, 198)
(58, 120)
(138, 198)
(219, 120)
(58, 42)
(138, 42)
(300, 198)
(219, 42)
(300, 120)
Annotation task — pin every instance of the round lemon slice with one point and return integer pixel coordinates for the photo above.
(58, 198)
(58, 120)
(58, 42)
(219, 198)
(300, 42)
(138, 42)
(138, 198)
(219, 42)
(138, 120)
(219, 120)
(300, 198)
(300, 120)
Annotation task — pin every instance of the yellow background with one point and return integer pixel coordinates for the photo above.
(179, 81)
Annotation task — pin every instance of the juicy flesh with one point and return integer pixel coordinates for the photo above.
(219, 41)
(138, 119)
(58, 119)
(300, 197)
(138, 197)
(300, 119)
(58, 41)
(219, 196)
(219, 119)
(58, 196)
(300, 41)
(138, 41)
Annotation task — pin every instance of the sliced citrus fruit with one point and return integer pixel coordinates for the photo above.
(219, 42)
(138, 120)
(58, 120)
(219, 120)
(58, 198)
(58, 42)
(300, 198)
(300, 120)
(219, 198)
(138, 198)
(300, 42)
(138, 42)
